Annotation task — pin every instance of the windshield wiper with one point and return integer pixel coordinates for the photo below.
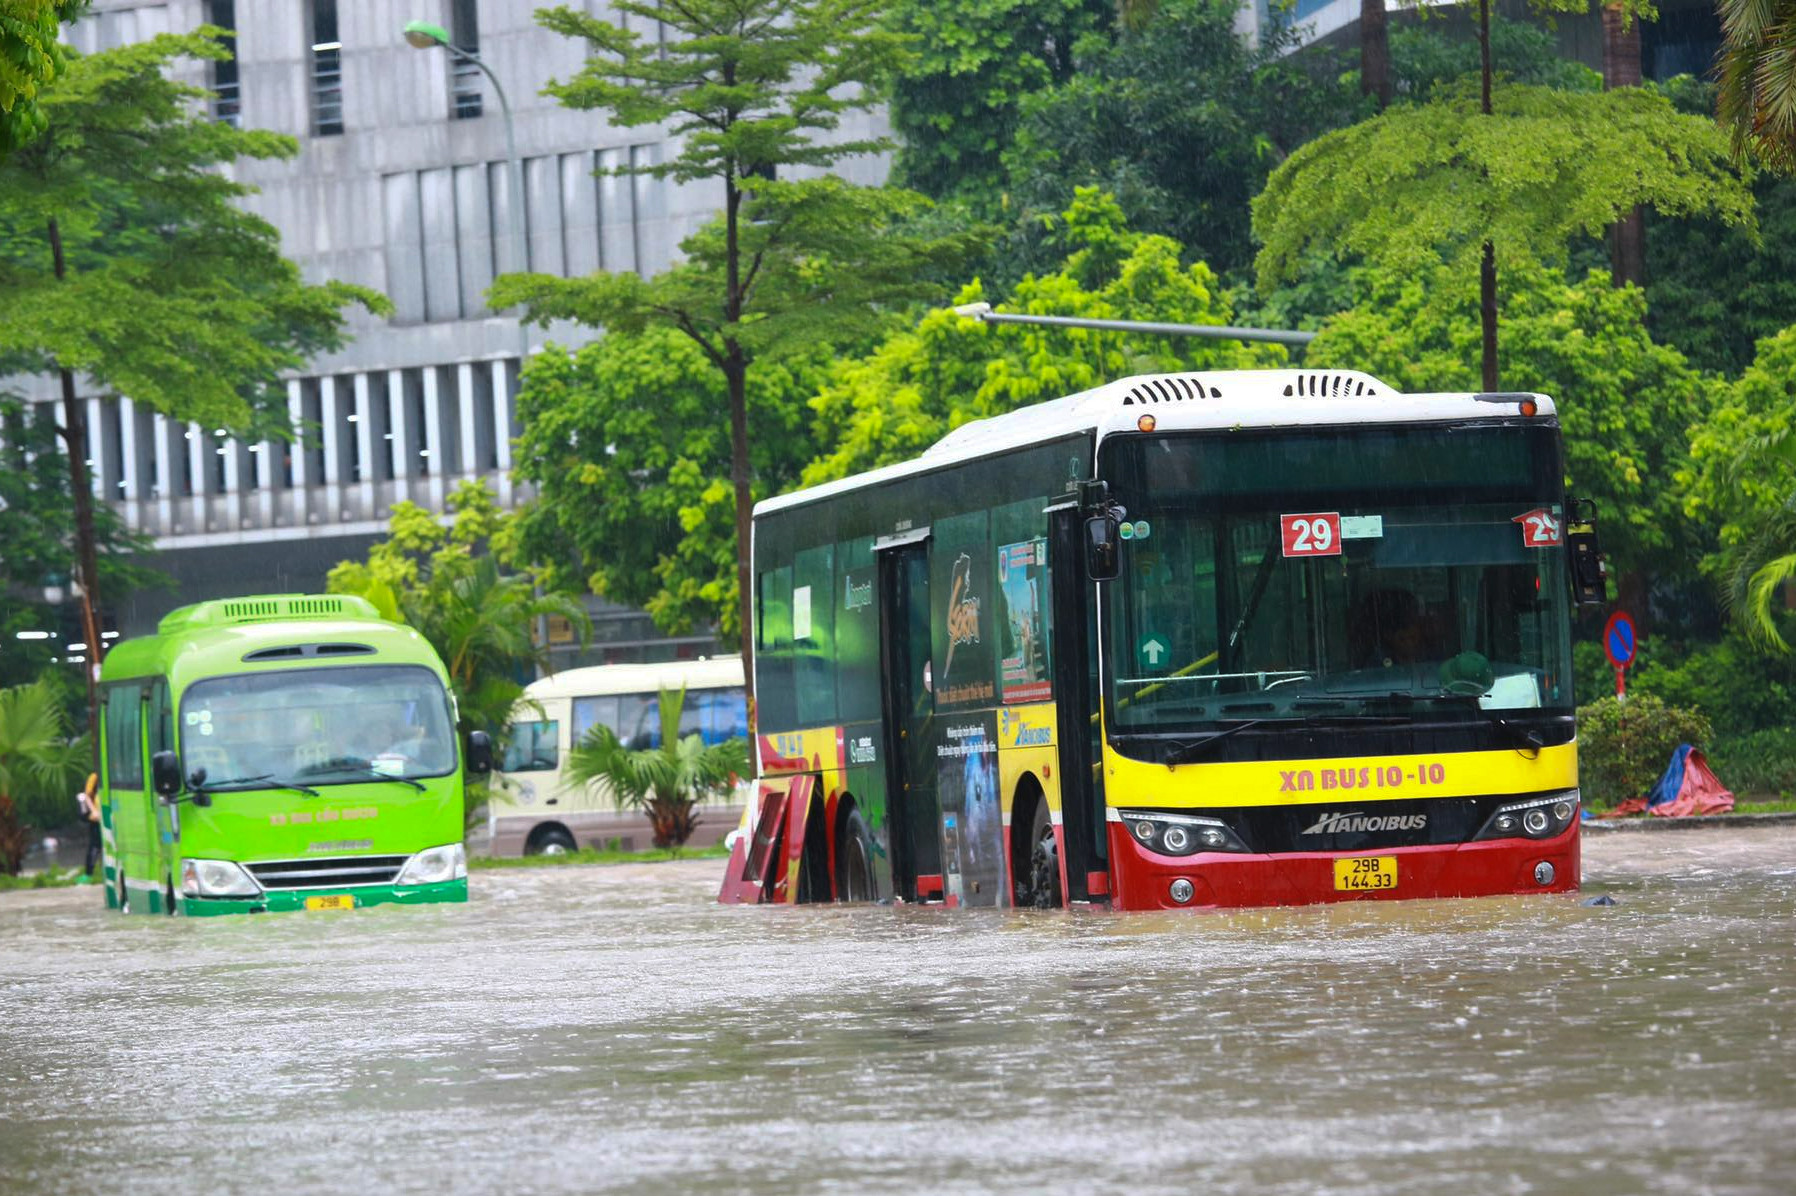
(1181, 753)
(207, 785)
(367, 771)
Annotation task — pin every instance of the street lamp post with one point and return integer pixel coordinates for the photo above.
(424, 36)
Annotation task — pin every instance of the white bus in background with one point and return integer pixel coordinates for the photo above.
(536, 810)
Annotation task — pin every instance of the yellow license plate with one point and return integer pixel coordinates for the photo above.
(334, 901)
(1366, 873)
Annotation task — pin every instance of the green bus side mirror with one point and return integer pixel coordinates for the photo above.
(165, 774)
(480, 753)
(1101, 559)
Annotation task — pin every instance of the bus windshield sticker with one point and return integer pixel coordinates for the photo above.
(1022, 580)
(1362, 527)
(1540, 528)
(1311, 534)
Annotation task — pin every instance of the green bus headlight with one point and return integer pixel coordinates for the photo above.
(434, 866)
(216, 878)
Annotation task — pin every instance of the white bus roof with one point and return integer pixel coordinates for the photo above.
(719, 672)
(1187, 402)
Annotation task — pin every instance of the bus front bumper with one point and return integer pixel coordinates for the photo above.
(1143, 879)
(285, 900)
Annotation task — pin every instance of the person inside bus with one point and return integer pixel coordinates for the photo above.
(1390, 629)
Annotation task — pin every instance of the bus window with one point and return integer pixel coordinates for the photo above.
(717, 714)
(124, 742)
(593, 712)
(639, 721)
(533, 747)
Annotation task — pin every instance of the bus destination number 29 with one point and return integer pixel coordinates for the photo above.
(1314, 534)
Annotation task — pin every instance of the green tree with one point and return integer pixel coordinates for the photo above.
(1427, 59)
(37, 536)
(1441, 182)
(928, 379)
(452, 585)
(36, 760)
(1757, 100)
(32, 56)
(748, 86)
(125, 257)
(956, 102)
(1743, 474)
(621, 440)
(1181, 119)
(666, 781)
(1623, 400)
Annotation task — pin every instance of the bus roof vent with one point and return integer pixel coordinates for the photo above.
(307, 651)
(1330, 384)
(1168, 388)
(252, 608)
(266, 608)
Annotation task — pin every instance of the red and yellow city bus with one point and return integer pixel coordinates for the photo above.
(1191, 640)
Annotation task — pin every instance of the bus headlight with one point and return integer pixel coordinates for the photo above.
(216, 878)
(1180, 834)
(1536, 818)
(434, 866)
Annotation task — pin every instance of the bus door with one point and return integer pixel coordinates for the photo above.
(1076, 698)
(908, 710)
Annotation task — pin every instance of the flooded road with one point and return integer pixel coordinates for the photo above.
(596, 1029)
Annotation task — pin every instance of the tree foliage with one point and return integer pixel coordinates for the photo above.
(1423, 184)
(1757, 99)
(666, 781)
(37, 761)
(1743, 475)
(622, 441)
(957, 99)
(1623, 400)
(924, 381)
(453, 585)
(32, 56)
(174, 294)
(1182, 119)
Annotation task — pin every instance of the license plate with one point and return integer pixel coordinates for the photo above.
(1366, 873)
(333, 901)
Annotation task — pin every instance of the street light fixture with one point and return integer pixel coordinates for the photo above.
(423, 35)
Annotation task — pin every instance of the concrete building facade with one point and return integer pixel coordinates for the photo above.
(402, 184)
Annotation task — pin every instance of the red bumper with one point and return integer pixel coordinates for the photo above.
(1142, 879)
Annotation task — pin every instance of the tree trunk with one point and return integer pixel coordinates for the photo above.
(74, 434)
(1374, 52)
(1621, 68)
(735, 372)
(1487, 268)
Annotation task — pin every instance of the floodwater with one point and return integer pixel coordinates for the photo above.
(585, 1029)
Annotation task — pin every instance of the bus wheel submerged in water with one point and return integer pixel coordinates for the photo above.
(550, 840)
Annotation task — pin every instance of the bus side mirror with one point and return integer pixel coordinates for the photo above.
(1101, 560)
(165, 774)
(1589, 575)
(480, 753)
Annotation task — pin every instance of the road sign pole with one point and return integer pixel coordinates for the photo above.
(1621, 683)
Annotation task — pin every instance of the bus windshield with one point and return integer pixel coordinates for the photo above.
(321, 726)
(1400, 572)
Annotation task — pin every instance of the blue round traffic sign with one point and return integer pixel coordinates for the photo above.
(1619, 641)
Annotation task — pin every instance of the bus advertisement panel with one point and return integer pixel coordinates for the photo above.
(1182, 641)
(280, 752)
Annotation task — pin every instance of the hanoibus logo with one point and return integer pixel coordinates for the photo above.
(1342, 824)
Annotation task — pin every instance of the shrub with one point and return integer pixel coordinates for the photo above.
(1623, 747)
(1757, 762)
(1737, 686)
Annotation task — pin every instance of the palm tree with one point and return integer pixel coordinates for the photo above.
(665, 782)
(1761, 565)
(1757, 63)
(35, 758)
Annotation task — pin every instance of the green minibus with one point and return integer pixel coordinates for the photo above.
(280, 752)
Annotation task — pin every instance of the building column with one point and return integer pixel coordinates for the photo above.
(233, 482)
(96, 448)
(197, 442)
(130, 493)
(299, 495)
(164, 490)
(501, 415)
(333, 480)
(469, 464)
(432, 450)
(366, 469)
(398, 410)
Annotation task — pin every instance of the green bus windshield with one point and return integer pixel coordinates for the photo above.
(319, 726)
(1398, 571)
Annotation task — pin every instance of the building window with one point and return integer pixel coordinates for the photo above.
(464, 76)
(226, 98)
(327, 70)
